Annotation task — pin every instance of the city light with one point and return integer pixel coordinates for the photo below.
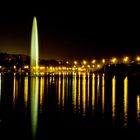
(138, 58)
(93, 61)
(126, 59)
(26, 67)
(113, 60)
(84, 62)
(98, 66)
(15, 67)
(103, 61)
(75, 62)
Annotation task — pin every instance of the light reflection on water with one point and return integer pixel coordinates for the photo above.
(84, 93)
(15, 91)
(125, 101)
(26, 92)
(34, 103)
(113, 97)
(98, 99)
(138, 109)
(74, 88)
(0, 88)
(41, 93)
(103, 93)
(93, 93)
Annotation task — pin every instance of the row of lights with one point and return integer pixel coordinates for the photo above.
(84, 62)
(113, 60)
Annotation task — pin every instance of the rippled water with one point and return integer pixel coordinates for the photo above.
(33, 107)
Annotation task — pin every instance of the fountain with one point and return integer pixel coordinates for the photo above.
(34, 81)
(34, 64)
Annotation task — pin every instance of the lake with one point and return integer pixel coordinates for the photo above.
(38, 107)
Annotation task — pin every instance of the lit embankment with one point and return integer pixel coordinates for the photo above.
(113, 65)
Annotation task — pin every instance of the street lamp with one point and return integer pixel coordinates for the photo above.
(126, 59)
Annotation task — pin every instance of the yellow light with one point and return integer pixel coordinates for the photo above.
(138, 58)
(103, 61)
(98, 66)
(93, 66)
(79, 69)
(64, 68)
(67, 62)
(26, 67)
(88, 66)
(41, 68)
(0, 67)
(126, 59)
(14, 67)
(73, 68)
(51, 68)
(113, 60)
(93, 61)
(75, 62)
(84, 62)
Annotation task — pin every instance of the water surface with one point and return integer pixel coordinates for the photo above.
(76, 103)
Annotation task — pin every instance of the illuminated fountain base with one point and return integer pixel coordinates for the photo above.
(34, 68)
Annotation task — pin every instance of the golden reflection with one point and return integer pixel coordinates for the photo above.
(59, 91)
(15, 92)
(103, 93)
(88, 91)
(41, 92)
(67, 87)
(79, 94)
(74, 91)
(125, 101)
(93, 92)
(0, 88)
(138, 109)
(113, 97)
(63, 91)
(34, 103)
(84, 93)
(98, 88)
(26, 91)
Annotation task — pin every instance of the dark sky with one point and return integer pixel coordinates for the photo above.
(67, 32)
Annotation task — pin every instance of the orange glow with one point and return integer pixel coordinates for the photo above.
(103, 61)
(98, 66)
(93, 61)
(138, 58)
(14, 67)
(84, 62)
(26, 67)
(113, 60)
(75, 62)
(126, 59)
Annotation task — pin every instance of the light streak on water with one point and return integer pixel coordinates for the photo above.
(113, 98)
(41, 92)
(26, 92)
(34, 103)
(93, 92)
(125, 101)
(84, 93)
(103, 93)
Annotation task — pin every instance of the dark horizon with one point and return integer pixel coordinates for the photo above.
(73, 35)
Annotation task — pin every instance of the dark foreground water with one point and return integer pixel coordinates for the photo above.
(74, 105)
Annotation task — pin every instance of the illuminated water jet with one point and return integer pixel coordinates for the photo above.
(34, 48)
(34, 81)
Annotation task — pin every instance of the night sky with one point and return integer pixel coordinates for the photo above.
(74, 32)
